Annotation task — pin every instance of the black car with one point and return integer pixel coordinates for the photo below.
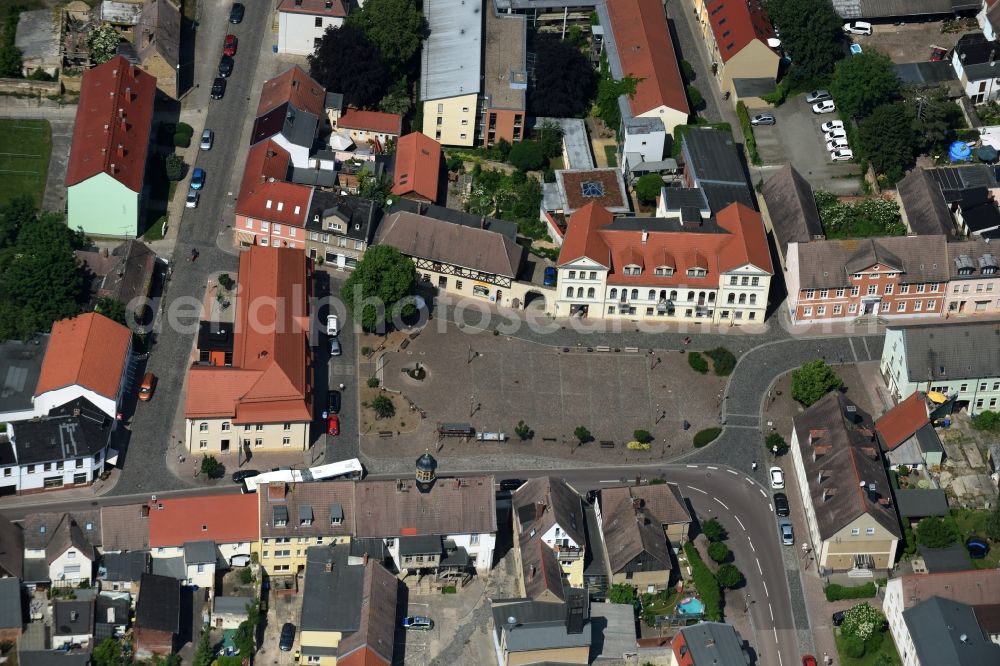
(244, 474)
(218, 88)
(781, 504)
(226, 66)
(287, 637)
(236, 16)
(838, 618)
(511, 484)
(333, 402)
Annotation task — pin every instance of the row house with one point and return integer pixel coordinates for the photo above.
(60, 549)
(292, 108)
(974, 279)
(451, 71)
(302, 23)
(375, 128)
(263, 399)
(340, 228)
(690, 269)
(743, 46)
(271, 212)
(505, 79)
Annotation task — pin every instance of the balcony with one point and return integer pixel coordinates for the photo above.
(568, 553)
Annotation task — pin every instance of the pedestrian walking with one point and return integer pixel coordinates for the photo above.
(753, 465)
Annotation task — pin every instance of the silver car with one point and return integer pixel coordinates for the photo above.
(818, 96)
(762, 119)
(785, 529)
(192, 199)
(207, 139)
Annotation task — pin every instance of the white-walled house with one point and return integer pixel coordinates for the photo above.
(72, 623)
(301, 23)
(973, 60)
(59, 548)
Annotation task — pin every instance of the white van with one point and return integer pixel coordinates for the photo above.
(858, 28)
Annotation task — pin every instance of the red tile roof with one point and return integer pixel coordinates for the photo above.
(336, 8)
(647, 53)
(418, 166)
(264, 194)
(268, 381)
(89, 351)
(899, 423)
(113, 119)
(372, 121)
(718, 252)
(736, 23)
(296, 87)
(219, 518)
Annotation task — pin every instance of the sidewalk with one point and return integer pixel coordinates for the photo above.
(98, 488)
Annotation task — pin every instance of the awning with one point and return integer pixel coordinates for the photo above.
(934, 396)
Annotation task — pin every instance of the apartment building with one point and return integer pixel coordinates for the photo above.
(301, 23)
(548, 516)
(451, 71)
(271, 212)
(340, 228)
(505, 78)
(743, 46)
(291, 108)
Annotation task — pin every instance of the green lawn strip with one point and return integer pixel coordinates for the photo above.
(25, 147)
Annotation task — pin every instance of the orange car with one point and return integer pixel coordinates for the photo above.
(147, 387)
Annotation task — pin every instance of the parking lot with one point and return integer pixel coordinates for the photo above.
(796, 138)
(907, 43)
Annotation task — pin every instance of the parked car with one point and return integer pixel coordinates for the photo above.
(226, 66)
(237, 12)
(192, 199)
(818, 96)
(333, 425)
(785, 528)
(198, 178)
(207, 139)
(335, 349)
(824, 107)
(808, 660)
(511, 484)
(147, 387)
(831, 125)
(229, 46)
(838, 618)
(287, 631)
(550, 276)
(781, 504)
(242, 474)
(418, 622)
(858, 28)
(938, 54)
(332, 326)
(842, 155)
(777, 478)
(835, 134)
(218, 88)
(333, 401)
(762, 119)
(836, 144)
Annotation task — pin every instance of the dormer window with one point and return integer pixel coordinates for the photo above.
(663, 271)
(632, 269)
(697, 272)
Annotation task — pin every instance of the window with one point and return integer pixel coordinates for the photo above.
(855, 531)
(590, 293)
(956, 289)
(810, 293)
(474, 540)
(807, 311)
(920, 288)
(440, 108)
(982, 387)
(266, 226)
(71, 554)
(824, 293)
(935, 286)
(632, 269)
(888, 288)
(202, 427)
(697, 272)
(931, 304)
(258, 427)
(665, 271)
(319, 22)
(286, 427)
(754, 281)
(904, 288)
(857, 276)
(71, 569)
(963, 388)
(837, 309)
(593, 275)
(458, 284)
(569, 292)
(852, 308)
(286, 441)
(249, 223)
(901, 306)
(462, 135)
(465, 109)
(821, 310)
(855, 291)
(917, 306)
(258, 442)
(613, 294)
(203, 444)
(225, 426)
(872, 289)
(733, 280)
(745, 281)
(572, 275)
(885, 306)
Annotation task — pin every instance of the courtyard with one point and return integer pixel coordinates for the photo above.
(493, 382)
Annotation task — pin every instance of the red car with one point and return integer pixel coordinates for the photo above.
(938, 54)
(229, 47)
(808, 660)
(333, 425)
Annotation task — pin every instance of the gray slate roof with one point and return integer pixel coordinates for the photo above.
(72, 618)
(630, 530)
(540, 625)
(125, 527)
(830, 263)
(199, 552)
(711, 155)
(546, 501)
(53, 658)
(40, 527)
(11, 548)
(20, 366)
(715, 643)
(62, 435)
(924, 204)
(921, 502)
(792, 208)
(953, 558)
(502, 227)
(11, 612)
(450, 58)
(343, 582)
(892, 8)
(159, 604)
(126, 566)
(966, 350)
(947, 632)
(231, 605)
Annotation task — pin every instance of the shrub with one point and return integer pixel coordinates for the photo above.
(638, 446)
(697, 362)
(687, 71)
(182, 140)
(373, 382)
(718, 551)
(935, 532)
(729, 576)
(713, 530)
(455, 163)
(449, 589)
(526, 155)
(723, 360)
(705, 582)
(862, 621)
(776, 444)
(620, 593)
(582, 435)
(246, 576)
(751, 143)
(648, 186)
(184, 128)
(987, 420)
(174, 167)
(854, 647)
(694, 96)
(523, 432)
(226, 281)
(835, 592)
(383, 407)
(211, 467)
(642, 436)
(706, 436)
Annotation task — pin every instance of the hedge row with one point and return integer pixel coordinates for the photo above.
(705, 583)
(748, 138)
(836, 592)
(697, 362)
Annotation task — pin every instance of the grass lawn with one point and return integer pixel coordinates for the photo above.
(973, 523)
(887, 648)
(25, 146)
(662, 603)
(611, 152)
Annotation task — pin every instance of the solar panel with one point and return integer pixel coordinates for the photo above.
(592, 188)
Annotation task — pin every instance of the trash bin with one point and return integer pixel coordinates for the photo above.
(274, 48)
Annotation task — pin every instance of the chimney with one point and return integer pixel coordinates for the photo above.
(113, 167)
(645, 236)
(329, 4)
(73, 615)
(121, 150)
(851, 413)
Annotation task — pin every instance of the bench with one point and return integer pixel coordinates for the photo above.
(607, 444)
(549, 439)
(385, 433)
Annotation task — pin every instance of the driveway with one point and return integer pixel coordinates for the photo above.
(797, 138)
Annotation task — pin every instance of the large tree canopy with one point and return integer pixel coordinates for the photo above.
(395, 27)
(887, 139)
(383, 278)
(347, 62)
(565, 81)
(862, 82)
(811, 33)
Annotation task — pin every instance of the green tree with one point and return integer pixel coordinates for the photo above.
(111, 308)
(174, 167)
(15, 214)
(992, 525)
(813, 33)
(862, 621)
(550, 137)
(608, 92)
(775, 442)
(697, 362)
(102, 43)
(374, 187)
(643, 436)
(107, 653)
(211, 467)
(383, 406)
(346, 61)
(713, 530)
(695, 97)
(526, 155)
(729, 576)
(523, 432)
(687, 71)
(814, 380)
(11, 64)
(394, 27)
(935, 117)
(862, 82)
(378, 286)
(564, 81)
(719, 552)
(935, 532)
(582, 435)
(647, 187)
(398, 99)
(203, 652)
(887, 139)
(620, 593)
(987, 420)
